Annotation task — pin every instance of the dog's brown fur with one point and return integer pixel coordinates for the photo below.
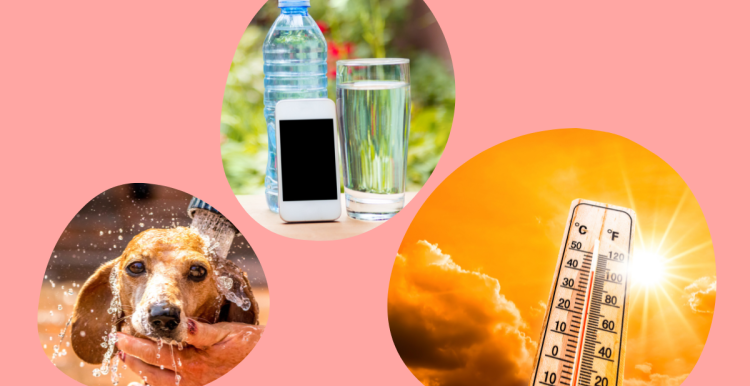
(167, 254)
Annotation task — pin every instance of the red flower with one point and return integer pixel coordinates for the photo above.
(322, 25)
(337, 51)
(333, 49)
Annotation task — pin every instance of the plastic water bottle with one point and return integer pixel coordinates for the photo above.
(294, 63)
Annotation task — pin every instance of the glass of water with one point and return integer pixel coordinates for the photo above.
(373, 100)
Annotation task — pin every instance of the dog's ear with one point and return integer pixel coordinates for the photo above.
(237, 314)
(90, 318)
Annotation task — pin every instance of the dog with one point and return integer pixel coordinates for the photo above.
(163, 277)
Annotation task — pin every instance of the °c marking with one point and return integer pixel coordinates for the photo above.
(581, 228)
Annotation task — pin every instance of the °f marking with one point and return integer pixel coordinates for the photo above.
(586, 321)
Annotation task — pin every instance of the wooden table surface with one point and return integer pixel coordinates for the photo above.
(255, 206)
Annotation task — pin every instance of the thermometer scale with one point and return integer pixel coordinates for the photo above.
(583, 340)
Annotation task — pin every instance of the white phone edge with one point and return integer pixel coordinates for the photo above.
(314, 210)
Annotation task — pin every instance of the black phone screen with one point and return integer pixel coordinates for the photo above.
(308, 160)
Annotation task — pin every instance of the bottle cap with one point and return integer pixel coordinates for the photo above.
(294, 3)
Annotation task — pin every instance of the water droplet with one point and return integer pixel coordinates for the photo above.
(45, 346)
(162, 366)
(226, 282)
(119, 237)
(52, 313)
(70, 291)
(81, 364)
(59, 306)
(101, 233)
(104, 345)
(83, 333)
(120, 230)
(97, 373)
(141, 224)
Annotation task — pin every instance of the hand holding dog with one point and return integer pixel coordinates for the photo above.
(212, 351)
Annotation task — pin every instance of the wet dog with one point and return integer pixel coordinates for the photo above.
(163, 277)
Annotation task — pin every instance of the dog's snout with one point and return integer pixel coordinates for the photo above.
(164, 317)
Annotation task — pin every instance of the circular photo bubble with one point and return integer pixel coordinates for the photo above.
(335, 113)
(565, 257)
(149, 285)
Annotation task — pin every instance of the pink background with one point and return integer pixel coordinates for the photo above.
(96, 94)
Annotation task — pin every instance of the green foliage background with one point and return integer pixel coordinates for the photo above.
(353, 29)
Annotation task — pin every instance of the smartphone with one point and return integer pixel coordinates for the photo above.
(307, 160)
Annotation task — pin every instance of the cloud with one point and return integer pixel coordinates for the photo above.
(452, 326)
(702, 294)
(645, 367)
(538, 311)
(657, 380)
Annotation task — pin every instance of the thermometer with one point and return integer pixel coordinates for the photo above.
(583, 339)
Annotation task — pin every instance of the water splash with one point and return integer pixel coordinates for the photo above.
(110, 340)
(115, 377)
(217, 232)
(230, 282)
(61, 335)
(177, 376)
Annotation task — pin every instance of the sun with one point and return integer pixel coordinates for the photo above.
(647, 268)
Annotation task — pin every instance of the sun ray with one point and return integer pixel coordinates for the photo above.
(679, 313)
(678, 277)
(662, 316)
(691, 250)
(644, 317)
(674, 286)
(631, 199)
(678, 209)
(676, 243)
(654, 227)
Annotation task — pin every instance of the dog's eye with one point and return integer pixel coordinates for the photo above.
(136, 268)
(197, 273)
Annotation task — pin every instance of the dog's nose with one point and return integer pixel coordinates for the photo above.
(164, 317)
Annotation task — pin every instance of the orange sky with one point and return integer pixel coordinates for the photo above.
(465, 305)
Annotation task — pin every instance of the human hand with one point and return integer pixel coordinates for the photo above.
(212, 350)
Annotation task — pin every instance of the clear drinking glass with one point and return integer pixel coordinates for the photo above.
(373, 100)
